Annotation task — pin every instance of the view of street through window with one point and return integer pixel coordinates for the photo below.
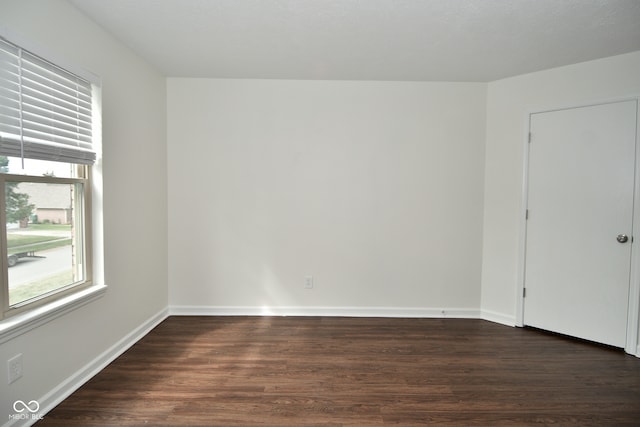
(42, 260)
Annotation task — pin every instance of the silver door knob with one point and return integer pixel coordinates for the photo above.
(622, 238)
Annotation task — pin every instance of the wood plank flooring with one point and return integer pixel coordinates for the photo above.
(327, 371)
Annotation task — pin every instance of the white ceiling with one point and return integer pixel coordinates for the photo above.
(431, 40)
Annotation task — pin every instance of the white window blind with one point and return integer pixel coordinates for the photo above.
(45, 111)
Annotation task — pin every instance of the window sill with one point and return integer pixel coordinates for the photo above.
(21, 323)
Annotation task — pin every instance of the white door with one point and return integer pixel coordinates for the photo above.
(580, 208)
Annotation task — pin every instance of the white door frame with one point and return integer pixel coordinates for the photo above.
(633, 314)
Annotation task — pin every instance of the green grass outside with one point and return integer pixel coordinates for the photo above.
(17, 243)
(36, 288)
(34, 243)
(62, 227)
(14, 240)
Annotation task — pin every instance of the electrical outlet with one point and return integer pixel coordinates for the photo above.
(308, 282)
(14, 366)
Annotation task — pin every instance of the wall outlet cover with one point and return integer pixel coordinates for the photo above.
(14, 366)
(308, 282)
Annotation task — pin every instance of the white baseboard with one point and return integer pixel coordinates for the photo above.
(495, 317)
(71, 384)
(188, 310)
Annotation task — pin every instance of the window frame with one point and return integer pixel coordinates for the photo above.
(29, 314)
(85, 233)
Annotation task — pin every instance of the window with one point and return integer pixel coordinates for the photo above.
(46, 154)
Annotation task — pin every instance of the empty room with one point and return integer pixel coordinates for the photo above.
(319, 212)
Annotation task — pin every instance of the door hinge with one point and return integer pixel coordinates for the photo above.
(524, 292)
(529, 138)
(526, 214)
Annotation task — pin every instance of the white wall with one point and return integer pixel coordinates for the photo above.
(135, 205)
(508, 103)
(373, 188)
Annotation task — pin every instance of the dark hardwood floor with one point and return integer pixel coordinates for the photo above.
(312, 371)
